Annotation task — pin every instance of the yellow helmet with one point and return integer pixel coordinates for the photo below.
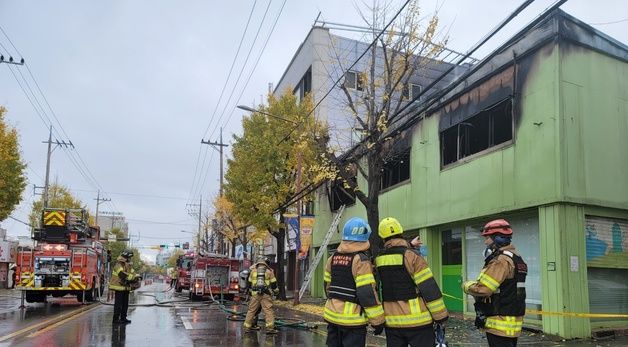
(389, 227)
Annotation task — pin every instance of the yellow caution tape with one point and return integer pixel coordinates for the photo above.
(562, 314)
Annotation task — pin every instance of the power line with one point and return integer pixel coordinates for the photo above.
(77, 161)
(255, 65)
(224, 87)
(246, 60)
(235, 85)
(21, 221)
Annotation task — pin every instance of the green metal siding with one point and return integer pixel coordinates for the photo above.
(594, 104)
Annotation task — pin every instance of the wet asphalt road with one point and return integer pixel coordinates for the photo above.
(173, 324)
(64, 322)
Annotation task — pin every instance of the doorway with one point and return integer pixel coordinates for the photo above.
(451, 251)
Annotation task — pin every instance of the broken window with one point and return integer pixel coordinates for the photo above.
(488, 128)
(354, 80)
(396, 169)
(340, 194)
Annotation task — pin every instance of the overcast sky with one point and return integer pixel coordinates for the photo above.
(135, 85)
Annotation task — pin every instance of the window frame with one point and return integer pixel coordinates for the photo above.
(491, 134)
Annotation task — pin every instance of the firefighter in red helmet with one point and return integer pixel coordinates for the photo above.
(499, 290)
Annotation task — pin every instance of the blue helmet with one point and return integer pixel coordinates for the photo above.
(356, 229)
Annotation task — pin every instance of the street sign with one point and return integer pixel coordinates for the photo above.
(112, 238)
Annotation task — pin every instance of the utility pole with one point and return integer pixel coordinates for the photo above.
(99, 201)
(192, 213)
(296, 251)
(218, 146)
(57, 143)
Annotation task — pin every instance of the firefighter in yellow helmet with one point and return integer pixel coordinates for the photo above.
(499, 291)
(350, 286)
(123, 280)
(263, 283)
(412, 300)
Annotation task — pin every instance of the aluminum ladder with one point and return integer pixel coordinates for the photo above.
(321, 251)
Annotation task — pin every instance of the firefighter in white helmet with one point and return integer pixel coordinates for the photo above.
(263, 284)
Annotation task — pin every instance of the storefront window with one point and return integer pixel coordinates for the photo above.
(526, 241)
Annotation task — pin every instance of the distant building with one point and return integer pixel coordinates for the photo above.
(107, 223)
(162, 258)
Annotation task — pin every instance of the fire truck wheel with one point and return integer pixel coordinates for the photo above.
(89, 295)
(79, 296)
(178, 289)
(35, 297)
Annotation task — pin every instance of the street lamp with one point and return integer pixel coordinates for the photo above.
(246, 108)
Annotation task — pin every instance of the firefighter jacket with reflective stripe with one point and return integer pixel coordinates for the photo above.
(500, 293)
(342, 308)
(403, 310)
(269, 281)
(122, 275)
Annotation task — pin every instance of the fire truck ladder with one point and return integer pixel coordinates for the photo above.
(321, 251)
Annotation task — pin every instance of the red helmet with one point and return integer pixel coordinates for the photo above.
(498, 226)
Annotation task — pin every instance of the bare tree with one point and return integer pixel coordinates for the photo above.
(380, 89)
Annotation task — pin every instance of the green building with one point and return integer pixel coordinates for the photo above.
(536, 134)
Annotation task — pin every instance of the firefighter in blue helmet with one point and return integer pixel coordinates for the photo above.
(350, 285)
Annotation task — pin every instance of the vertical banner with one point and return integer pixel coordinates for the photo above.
(292, 228)
(307, 227)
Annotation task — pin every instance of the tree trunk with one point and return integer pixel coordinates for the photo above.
(280, 236)
(372, 208)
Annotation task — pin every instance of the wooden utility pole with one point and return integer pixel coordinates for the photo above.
(57, 143)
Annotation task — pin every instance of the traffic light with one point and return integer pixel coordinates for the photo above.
(186, 245)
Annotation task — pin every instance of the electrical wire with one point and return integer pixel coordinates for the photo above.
(224, 87)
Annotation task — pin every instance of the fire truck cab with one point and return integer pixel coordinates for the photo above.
(214, 275)
(183, 269)
(67, 259)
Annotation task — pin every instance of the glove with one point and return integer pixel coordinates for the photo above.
(378, 329)
(466, 285)
(480, 320)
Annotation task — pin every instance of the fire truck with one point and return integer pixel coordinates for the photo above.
(68, 258)
(183, 269)
(214, 274)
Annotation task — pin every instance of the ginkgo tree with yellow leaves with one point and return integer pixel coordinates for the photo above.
(12, 177)
(232, 227)
(272, 160)
(406, 49)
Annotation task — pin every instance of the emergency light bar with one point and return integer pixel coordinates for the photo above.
(55, 247)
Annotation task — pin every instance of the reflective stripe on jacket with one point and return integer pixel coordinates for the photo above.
(427, 305)
(345, 312)
(121, 269)
(493, 275)
(269, 279)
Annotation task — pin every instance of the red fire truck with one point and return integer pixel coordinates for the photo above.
(214, 274)
(68, 258)
(183, 269)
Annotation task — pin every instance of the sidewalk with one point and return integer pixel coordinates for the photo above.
(460, 330)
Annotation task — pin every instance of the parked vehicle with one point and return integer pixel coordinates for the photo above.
(67, 259)
(183, 269)
(214, 275)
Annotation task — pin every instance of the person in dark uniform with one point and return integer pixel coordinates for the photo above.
(123, 280)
